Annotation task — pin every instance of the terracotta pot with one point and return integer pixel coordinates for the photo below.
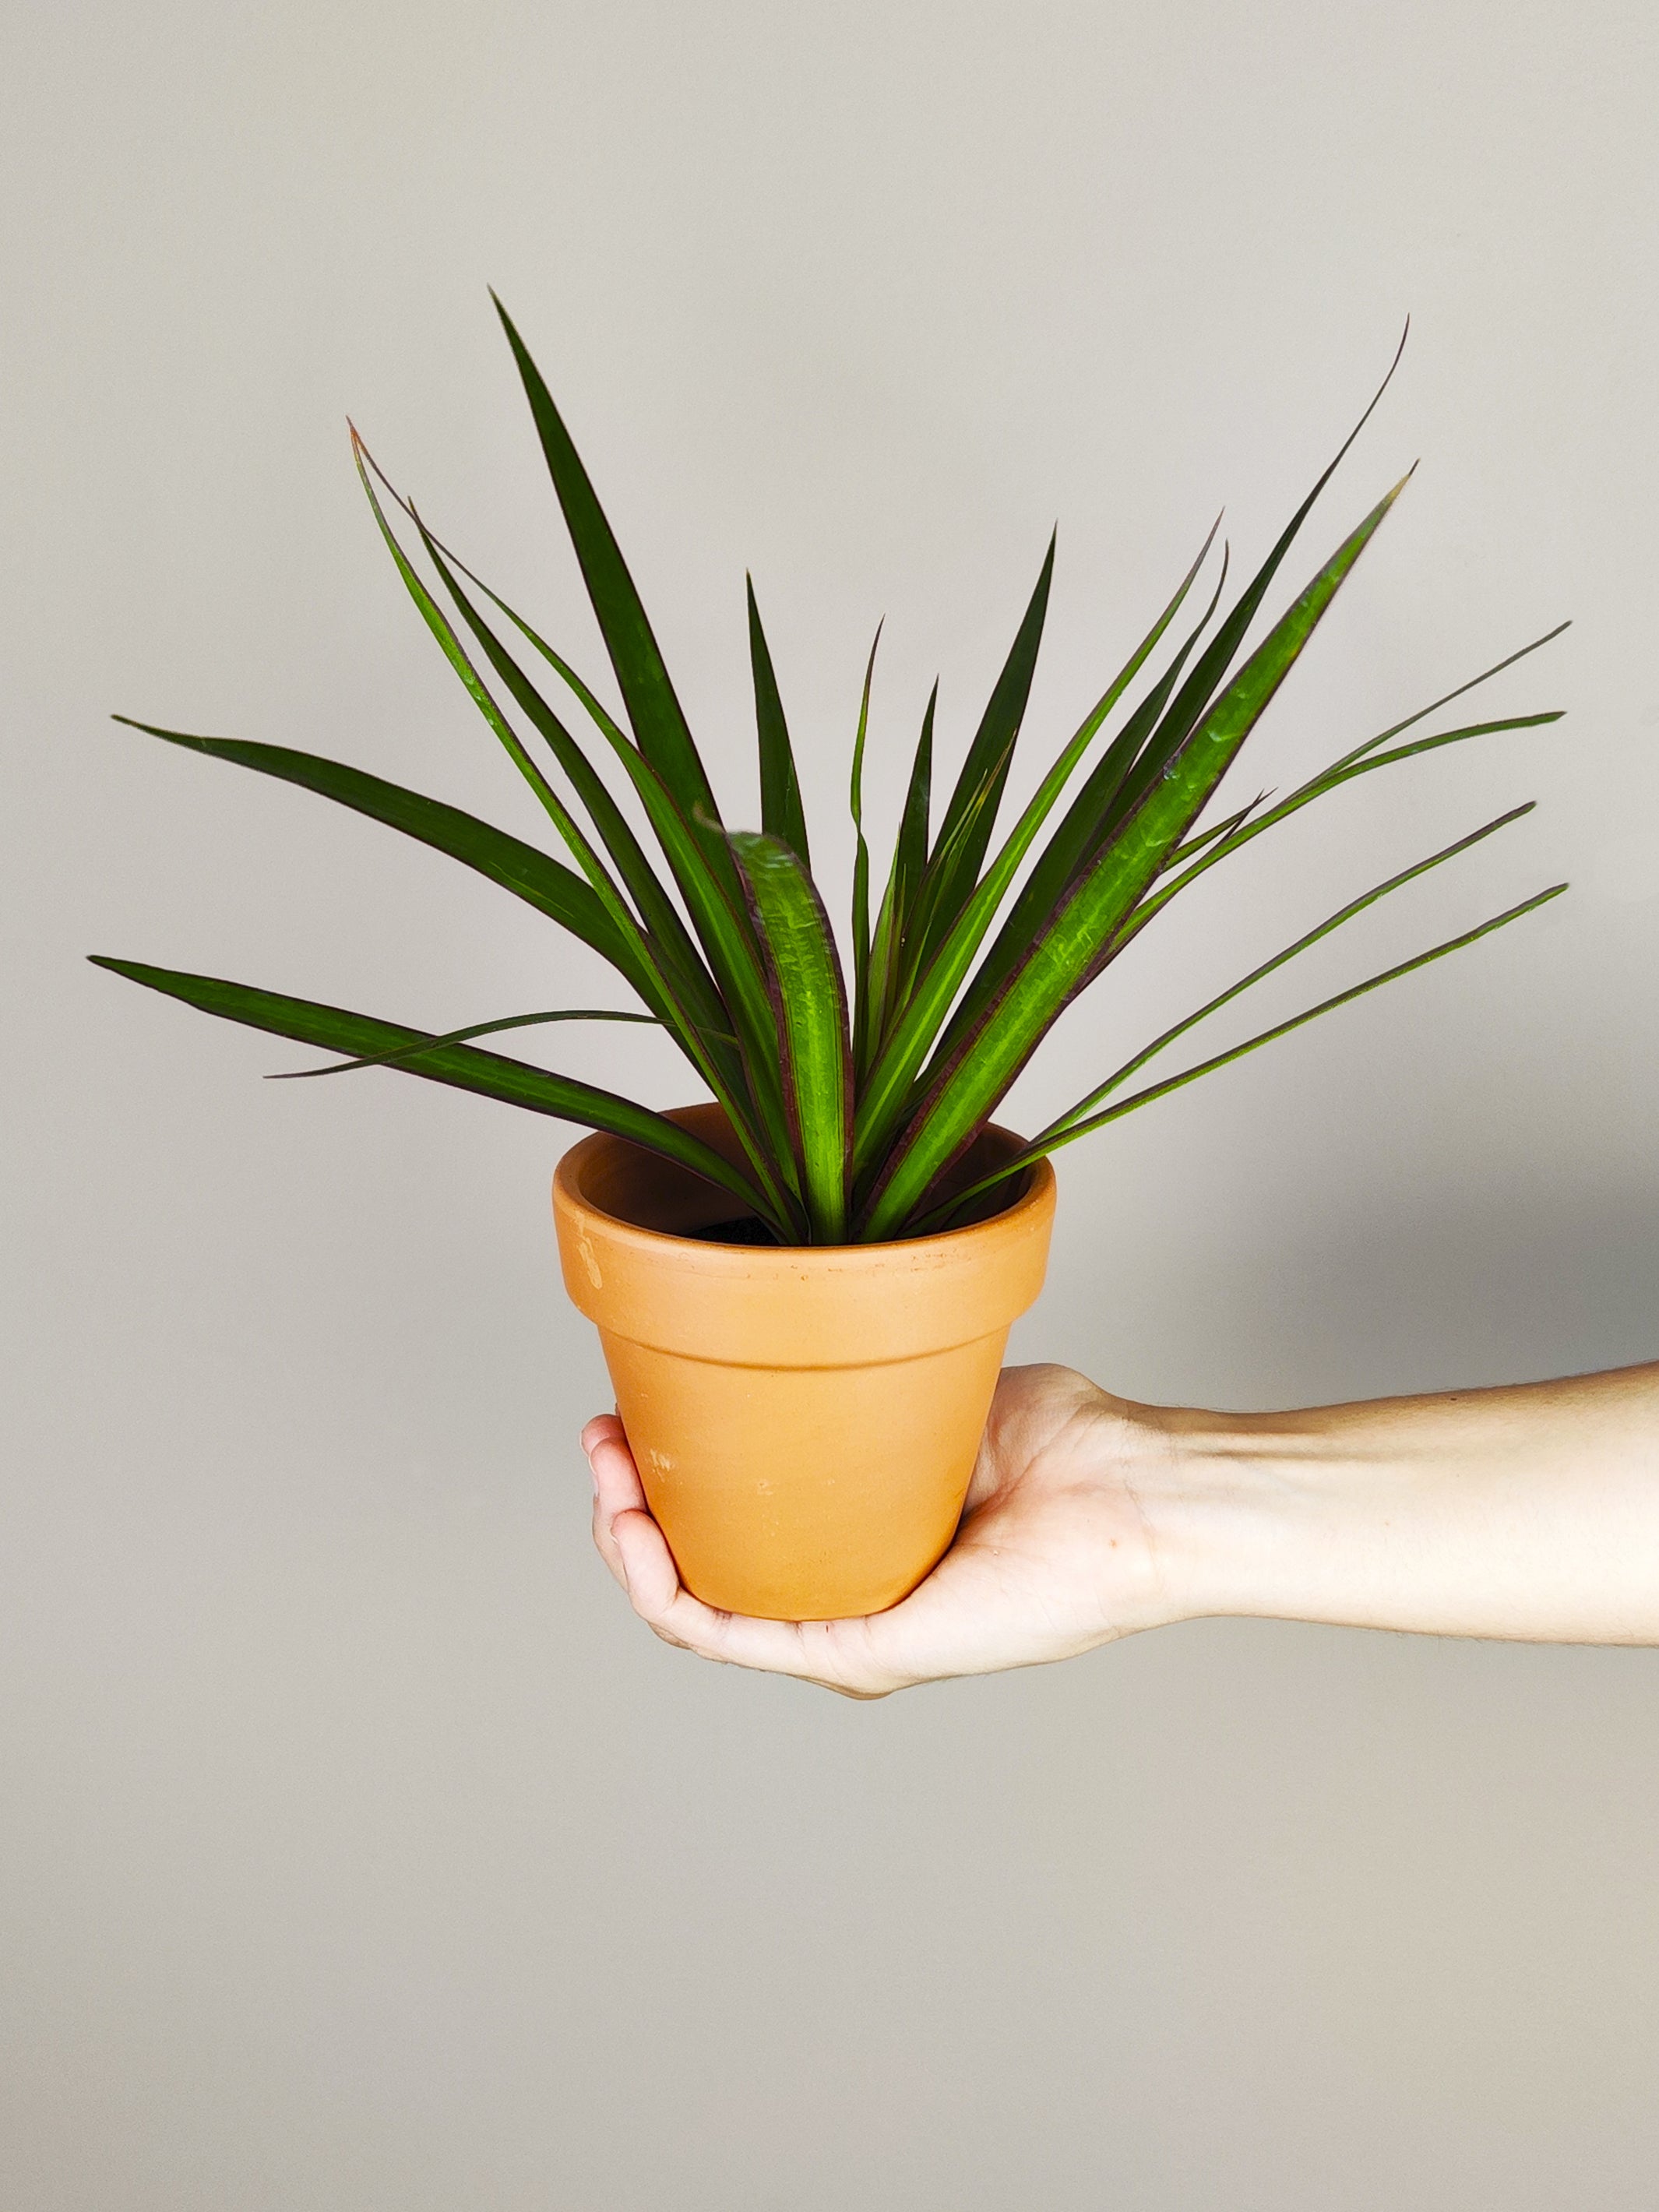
(805, 1419)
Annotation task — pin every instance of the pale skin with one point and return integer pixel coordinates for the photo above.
(1529, 1513)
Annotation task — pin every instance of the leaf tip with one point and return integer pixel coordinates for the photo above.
(1390, 496)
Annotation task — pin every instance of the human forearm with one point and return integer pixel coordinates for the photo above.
(1528, 1512)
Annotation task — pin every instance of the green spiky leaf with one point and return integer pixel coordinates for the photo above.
(781, 812)
(522, 869)
(967, 1089)
(810, 1009)
(973, 804)
(462, 1066)
(847, 1110)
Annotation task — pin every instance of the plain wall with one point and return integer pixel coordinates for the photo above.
(358, 1849)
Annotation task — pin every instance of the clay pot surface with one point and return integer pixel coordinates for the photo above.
(805, 1419)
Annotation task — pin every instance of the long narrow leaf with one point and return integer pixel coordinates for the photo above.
(926, 914)
(455, 654)
(656, 909)
(1078, 838)
(809, 1008)
(1075, 1129)
(1192, 703)
(881, 1102)
(781, 812)
(966, 1088)
(659, 723)
(1360, 762)
(461, 1036)
(1332, 922)
(660, 993)
(1341, 770)
(908, 863)
(723, 929)
(910, 846)
(861, 878)
(979, 787)
(1224, 827)
(545, 883)
(1446, 697)
(462, 1066)
(677, 957)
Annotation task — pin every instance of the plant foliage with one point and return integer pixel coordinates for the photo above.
(851, 1107)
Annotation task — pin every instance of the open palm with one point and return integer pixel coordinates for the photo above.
(1054, 1554)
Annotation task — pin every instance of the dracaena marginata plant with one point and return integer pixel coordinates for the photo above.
(852, 1101)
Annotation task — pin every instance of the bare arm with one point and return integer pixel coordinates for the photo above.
(1529, 1512)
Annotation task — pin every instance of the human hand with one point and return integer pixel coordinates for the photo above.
(1056, 1552)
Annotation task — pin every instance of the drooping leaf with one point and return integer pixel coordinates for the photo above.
(809, 1008)
(530, 874)
(396, 1053)
(781, 812)
(464, 1066)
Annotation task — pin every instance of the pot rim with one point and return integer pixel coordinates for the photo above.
(1015, 1218)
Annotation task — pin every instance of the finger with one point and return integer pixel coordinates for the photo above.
(602, 1424)
(616, 1490)
(616, 1475)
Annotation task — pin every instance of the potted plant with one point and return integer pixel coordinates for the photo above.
(803, 1286)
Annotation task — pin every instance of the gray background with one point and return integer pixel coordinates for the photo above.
(357, 1848)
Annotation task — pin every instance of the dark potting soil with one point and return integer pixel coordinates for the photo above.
(745, 1230)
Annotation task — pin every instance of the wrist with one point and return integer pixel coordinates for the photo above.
(1260, 1515)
